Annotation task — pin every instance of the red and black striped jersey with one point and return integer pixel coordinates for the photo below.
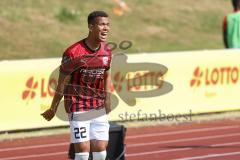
(87, 68)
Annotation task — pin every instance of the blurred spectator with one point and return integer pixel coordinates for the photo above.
(231, 27)
(120, 8)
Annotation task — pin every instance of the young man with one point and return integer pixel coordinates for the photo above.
(231, 27)
(82, 81)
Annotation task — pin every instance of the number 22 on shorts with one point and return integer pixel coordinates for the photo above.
(80, 132)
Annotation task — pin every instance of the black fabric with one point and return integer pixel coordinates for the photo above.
(71, 152)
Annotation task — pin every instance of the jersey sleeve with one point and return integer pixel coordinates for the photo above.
(67, 66)
(109, 55)
(109, 61)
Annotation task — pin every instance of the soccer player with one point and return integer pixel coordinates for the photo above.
(231, 27)
(82, 81)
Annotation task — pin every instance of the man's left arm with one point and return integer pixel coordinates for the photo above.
(225, 32)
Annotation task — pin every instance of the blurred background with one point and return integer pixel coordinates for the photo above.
(44, 28)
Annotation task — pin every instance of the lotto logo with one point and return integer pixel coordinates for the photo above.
(228, 75)
(29, 92)
(35, 87)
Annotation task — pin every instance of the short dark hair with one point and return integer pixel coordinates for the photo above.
(95, 14)
(236, 4)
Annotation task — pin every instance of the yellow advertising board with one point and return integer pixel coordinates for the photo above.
(25, 93)
(202, 81)
(194, 82)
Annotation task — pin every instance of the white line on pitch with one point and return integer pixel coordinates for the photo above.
(225, 144)
(155, 152)
(183, 140)
(175, 150)
(34, 146)
(184, 131)
(143, 135)
(211, 156)
(34, 156)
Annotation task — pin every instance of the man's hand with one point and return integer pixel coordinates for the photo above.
(48, 114)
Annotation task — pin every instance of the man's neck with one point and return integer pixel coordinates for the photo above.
(91, 43)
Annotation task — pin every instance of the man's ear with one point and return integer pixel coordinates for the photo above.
(90, 27)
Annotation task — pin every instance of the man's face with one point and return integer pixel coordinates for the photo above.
(100, 28)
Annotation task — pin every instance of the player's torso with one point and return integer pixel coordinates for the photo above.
(233, 28)
(90, 66)
(86, 89)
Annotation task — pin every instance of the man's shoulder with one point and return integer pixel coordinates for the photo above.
(106, 48)
(74, 48)
(233, 15)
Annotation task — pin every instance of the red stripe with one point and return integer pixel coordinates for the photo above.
(96, 93)
(75, 91)
(80, 84)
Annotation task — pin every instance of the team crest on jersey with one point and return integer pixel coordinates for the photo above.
(105, 60)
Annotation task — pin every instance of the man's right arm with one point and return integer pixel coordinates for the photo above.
(62, 82)
(225, 32)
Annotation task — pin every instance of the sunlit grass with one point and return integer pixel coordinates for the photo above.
(44, 28)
